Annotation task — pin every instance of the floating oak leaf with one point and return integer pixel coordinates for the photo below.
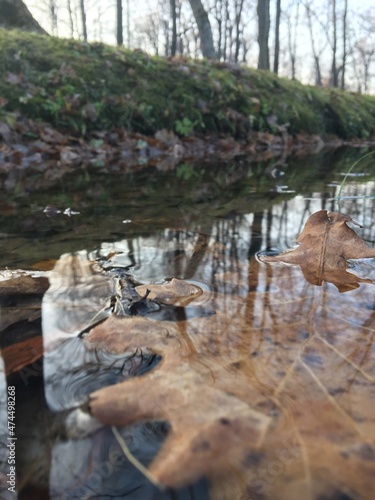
(325, 244)
(267, 398)
(206, 418)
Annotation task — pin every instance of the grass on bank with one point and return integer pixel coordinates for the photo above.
(81, 87)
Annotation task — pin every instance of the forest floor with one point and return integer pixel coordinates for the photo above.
(76, 102)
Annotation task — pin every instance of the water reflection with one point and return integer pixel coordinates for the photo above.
(266, 354)
(290, 366)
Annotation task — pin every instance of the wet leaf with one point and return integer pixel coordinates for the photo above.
(177, 292)
(274, 395)
(325, 245)
(19, 282)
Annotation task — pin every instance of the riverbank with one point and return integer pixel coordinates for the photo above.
(93, 90)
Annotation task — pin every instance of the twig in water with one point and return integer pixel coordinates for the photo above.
(137, 464)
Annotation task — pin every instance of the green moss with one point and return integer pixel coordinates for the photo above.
(80, 87)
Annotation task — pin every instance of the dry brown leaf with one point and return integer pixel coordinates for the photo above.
(272, 397)
(325, 244)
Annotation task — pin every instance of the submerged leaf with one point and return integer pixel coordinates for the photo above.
(325, 244)
(177, 292)
(271, 396)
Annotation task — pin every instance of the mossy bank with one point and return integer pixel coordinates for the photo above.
(79, 87)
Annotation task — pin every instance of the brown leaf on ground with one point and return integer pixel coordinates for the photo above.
(325, 244)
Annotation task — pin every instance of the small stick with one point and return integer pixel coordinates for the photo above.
(137, 464)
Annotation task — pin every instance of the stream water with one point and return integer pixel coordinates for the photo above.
(305, 354)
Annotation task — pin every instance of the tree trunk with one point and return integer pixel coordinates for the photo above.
(334, 72)
(239, 8)
(277, 37)
(318, 74)
(225, 30)
(174, 27)
(71, 23)
(53, 16)
(344, 51)
(263, 11)
(120, 37)
(128, 24)
(204, 28)
(83, 16)
(15, 14)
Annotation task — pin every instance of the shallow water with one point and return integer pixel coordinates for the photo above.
(292, 362)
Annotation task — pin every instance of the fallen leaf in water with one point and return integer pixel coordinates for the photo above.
(207, 419)
(17, 281)
(271, 397)
(325, 244)
(177, 292)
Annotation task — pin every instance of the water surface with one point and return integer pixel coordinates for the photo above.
(300, 357)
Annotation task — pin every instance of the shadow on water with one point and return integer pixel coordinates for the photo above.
(290, 353)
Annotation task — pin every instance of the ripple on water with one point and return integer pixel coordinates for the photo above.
(71, 372)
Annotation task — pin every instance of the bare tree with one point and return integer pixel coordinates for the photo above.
(204, 28)
(226, 29)
(218, 8)
(334, 70)
(174, 27)
(70, 14)
(83, 19)
(366, 54)
(277, 37)
(263, 10)
(318, 73)
(120, 36)
(292, 37)
(344, 38)
(53, 16)
(238, 8)
(128, 31)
